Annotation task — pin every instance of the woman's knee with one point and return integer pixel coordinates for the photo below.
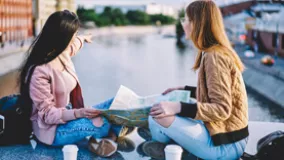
(166, 121)
(103, 129)
(98, 121)
(156, 132)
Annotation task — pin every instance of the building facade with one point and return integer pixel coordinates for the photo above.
(268, 34)
(42, 9)
(15, 20)
(66, 4)
(155, 8)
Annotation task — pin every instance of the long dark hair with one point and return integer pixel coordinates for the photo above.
(54, 38)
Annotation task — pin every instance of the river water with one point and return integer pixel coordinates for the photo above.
(147, 64)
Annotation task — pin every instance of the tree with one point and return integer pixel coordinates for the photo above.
(162, 18)
(112, 16)
(86, 14)
(105, 17)
(118, 18)
(138, 17)
(179, 29)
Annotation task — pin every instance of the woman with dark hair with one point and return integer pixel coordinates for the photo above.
(50, 85)
(216, 126)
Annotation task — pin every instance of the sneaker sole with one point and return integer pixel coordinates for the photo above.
(154, 150)
(105, 148)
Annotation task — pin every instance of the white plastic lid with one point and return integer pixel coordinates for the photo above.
(173, 149)
(70, 148)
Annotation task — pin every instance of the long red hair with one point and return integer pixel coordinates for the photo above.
(208, 33)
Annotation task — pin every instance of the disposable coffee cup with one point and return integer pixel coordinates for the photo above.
(173, 152)
(70, 152)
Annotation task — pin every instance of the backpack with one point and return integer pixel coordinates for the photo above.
(15, 124)
(270, 147)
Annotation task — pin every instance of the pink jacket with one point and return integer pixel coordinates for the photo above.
(48, 93)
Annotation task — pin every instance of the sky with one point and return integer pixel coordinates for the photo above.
(171, 2)
(175, 3)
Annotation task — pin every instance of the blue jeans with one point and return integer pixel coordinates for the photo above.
(76, 130)
(193, 136)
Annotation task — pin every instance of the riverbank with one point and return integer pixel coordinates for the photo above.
(147, 64)
(268, 86)
(12, 57)
(265, 80)
(11, 62)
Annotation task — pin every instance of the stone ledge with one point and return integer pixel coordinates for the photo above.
(11, 62)
(275, 72)
(269, 86)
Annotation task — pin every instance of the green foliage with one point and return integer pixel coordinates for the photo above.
(161, 18)
(114, 16)
(104, 18)
(138, 17)
(179, 28)
(118, 18)
(86, 14)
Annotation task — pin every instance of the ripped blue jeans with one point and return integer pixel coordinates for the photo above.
(76, 130)
(193, 136)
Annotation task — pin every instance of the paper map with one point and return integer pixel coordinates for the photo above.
(129, 109)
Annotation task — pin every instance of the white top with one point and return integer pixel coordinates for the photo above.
(70, 82)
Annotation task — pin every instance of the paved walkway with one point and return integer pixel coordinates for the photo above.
(11, 57)
(10, 49)
(266, 80)
(42, 152)
(11, 62)
(277, 70)
(25, 152)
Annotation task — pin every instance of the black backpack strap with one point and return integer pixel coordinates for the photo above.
(247, 156)
(268, 139)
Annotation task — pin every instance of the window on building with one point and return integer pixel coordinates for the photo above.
(274, 40)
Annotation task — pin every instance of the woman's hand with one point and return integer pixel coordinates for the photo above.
(88, 38)
(172, 89)
(86, 113)
(165, 109)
